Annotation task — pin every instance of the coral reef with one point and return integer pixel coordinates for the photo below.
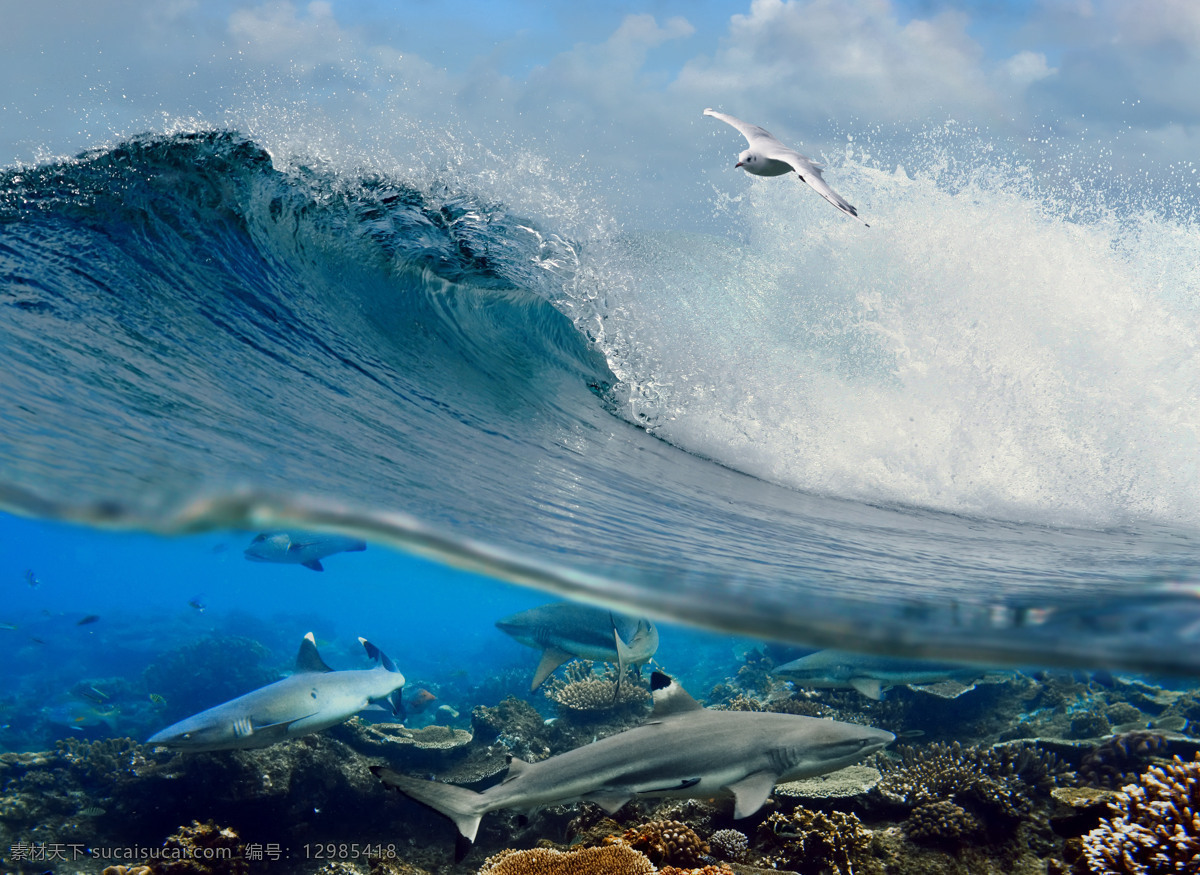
(583, 690)
(998, 782)
(202, 849)
(515, 724)
(667, 842)
(941, 823)
(616, 859)
(730, 844)
(850, 781)
(1121, 759)
(805, 840)
(1155, 827)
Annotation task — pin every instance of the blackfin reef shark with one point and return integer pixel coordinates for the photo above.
(300, 548)
(869, 674)
(683, 750)
(312, 698)
(565, 631)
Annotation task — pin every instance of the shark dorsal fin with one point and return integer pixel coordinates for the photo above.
(552, 658)
(669, 697)
(515, 767)
(308, 659)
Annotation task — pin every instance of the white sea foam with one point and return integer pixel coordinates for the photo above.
(980, 349)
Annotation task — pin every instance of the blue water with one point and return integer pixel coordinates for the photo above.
(825, 438)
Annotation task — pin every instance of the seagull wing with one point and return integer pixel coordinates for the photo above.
(810, 172)
(757, 137)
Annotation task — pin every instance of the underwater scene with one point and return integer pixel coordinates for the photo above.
(523, 438)
(209, 703)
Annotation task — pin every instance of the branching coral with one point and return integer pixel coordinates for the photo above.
(815, 841)
(941, 823)
(583, 689)
(617, 859)
(730, 844)
(1155, 827)
(1121, 759)
(668, 841)
(997, 780)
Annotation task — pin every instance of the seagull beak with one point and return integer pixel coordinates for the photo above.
(739, 164)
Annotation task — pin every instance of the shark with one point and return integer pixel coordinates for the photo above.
(564, 631)
(869, 674)
(313, 698)
(683, 750)
(300, 548)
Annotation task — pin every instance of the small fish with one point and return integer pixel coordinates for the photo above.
(88, 620)
(8, 627)
(197, 605)
(157, 699)
(420, 701)
(92, 695)
(31, 578)
(91, 811)
(37, 640)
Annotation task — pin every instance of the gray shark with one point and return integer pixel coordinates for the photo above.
(315, 697)
(565, 630)
(683, 750)
(869, 674)
(300, 548)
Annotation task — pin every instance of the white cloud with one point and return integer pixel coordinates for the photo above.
(1025, 68)
(277, 32)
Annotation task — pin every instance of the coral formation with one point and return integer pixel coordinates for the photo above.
(1155, 827)
(616, 859)
(515, 724)
(997, 782)
(202, 849)
(667, 842)
(805, 840)
(583, 689)
(941, 822)
(850, 781)
(730, 844)
(1121, 759)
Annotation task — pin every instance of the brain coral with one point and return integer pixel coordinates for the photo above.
(607, 860)
(668, 841)
(1155, 827)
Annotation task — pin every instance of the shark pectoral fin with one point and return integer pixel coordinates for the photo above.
(552, 658)
(267, 730)
(751, 792)
(314, 564)
(872, 688)
(611, 801)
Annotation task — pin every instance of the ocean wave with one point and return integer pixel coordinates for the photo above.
(194, 337)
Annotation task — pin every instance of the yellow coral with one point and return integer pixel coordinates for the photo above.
(607, 860)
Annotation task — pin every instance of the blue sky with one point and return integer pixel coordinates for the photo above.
(615, 87)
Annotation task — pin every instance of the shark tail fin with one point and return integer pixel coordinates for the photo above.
(465, 807)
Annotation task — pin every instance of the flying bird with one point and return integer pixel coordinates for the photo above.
(766, 156)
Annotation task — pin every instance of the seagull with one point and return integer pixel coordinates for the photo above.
(769, 157)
